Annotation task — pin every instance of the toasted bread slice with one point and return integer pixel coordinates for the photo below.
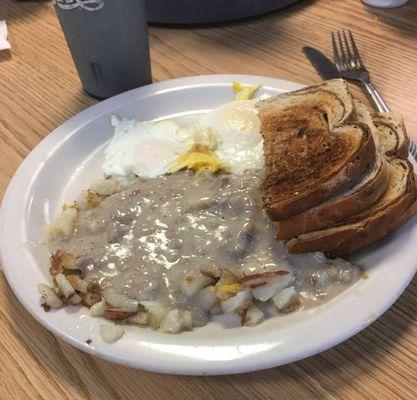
(393, 135)
(388, 214)
(333, 94)
(311, 152)
(367, 191)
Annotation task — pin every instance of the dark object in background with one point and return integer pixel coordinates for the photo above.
(108, 41)
(205, 11)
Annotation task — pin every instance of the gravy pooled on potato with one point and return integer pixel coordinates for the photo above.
(173, 250)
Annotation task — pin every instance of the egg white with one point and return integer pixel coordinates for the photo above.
(236, 126)
(145, 149)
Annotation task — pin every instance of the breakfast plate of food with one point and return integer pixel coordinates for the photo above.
(213, 224)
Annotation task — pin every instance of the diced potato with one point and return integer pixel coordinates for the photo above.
(253, 316)
(67, 290)
(265, 292)
(89, 300)
(107, 187)
(186, 320)
(176, 321)
(61, 260)
(98, 309)
(74, 300)
(120, 301)
(49, 297)
(208, 298)
(140, 318)
(157, 313)
(64, 223)
(110, 333)
(77, 283)
(172, 322)
(194, 282)
(284, 298)
(238, 302)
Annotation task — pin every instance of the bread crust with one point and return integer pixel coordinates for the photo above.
(346, 239)
(333, 86)
(395, 123)
(403, 145)
(332, 212)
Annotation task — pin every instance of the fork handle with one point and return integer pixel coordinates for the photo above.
(375, 96)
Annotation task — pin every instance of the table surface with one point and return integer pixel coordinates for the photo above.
(39, 90)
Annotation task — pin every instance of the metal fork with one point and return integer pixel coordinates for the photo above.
(350, 66)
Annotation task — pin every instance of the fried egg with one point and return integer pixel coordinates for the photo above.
(229, 134)
(144, 149)
(236, 127)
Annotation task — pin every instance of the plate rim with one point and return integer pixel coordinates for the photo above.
(65, 130)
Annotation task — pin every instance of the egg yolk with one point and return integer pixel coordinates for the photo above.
(232, 288)
(198, 158)
(244, 92)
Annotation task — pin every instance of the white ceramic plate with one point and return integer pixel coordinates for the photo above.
(69, 159)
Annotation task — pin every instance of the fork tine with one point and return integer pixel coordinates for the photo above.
(349, 55)
(336, 55)
(358, 59)
(342, 50)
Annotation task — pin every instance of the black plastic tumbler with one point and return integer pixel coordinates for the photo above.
(108, 40)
